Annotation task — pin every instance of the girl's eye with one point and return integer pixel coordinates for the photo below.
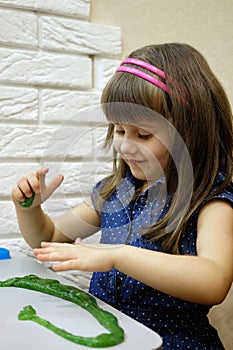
(145, 137)
(119, 132)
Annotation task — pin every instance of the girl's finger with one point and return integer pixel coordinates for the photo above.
(47, 190)
(54, 255)
(51, 244)
(24, 187)
(58, 248)
(17, 194)
(66, 265)
(33, 183)
(55, 183)
(41, 174)
(78, 241)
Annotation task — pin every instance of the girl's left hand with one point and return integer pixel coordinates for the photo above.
(78, 256)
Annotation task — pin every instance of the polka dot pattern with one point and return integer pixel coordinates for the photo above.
(182, 325)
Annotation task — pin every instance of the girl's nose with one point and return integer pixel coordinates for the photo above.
(128, 146)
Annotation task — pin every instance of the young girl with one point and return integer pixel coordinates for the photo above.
(165, 213)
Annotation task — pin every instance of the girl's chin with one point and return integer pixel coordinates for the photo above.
(140, 175)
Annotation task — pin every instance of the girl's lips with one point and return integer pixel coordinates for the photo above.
(133, 161)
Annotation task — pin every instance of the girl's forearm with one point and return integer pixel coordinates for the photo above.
(34, 225)
(192, 278)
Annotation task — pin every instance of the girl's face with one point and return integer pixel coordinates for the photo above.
(142, 149)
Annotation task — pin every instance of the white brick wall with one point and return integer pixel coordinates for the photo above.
(53, 66)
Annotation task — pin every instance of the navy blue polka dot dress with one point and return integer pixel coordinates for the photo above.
(182, 325)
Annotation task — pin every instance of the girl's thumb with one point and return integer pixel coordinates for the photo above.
(54, 184)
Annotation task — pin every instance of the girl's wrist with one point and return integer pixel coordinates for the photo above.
(119, 255)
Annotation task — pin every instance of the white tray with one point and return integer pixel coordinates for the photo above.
(15, 334)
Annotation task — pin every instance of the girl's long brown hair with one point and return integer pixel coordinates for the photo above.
(198, 109)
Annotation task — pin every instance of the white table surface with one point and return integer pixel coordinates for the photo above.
(16, 334)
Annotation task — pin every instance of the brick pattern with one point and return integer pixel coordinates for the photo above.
(54, 64)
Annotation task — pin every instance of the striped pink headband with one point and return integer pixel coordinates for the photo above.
(147, 77)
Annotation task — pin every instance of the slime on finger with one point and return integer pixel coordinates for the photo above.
(27, 202)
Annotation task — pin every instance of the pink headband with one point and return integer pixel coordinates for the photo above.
(146, 76)
(146, 65)
(142, 74)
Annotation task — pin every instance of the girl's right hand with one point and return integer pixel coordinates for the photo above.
(35, 183)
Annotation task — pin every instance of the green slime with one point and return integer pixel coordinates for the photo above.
(76, 296)
(27, 202)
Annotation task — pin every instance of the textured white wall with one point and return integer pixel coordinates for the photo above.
(53, 66)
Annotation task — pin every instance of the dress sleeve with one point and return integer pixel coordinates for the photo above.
(96, 198)
(227, 193)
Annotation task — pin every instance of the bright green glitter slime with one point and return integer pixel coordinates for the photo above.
(76, 296)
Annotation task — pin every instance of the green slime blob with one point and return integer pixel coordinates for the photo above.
(76, 296)
(27, 202)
